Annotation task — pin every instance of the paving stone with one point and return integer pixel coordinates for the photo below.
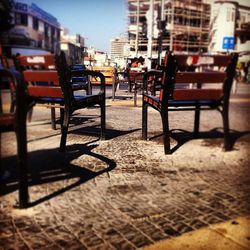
(146, 197)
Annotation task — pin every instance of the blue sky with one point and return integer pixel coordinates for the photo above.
(97, 20)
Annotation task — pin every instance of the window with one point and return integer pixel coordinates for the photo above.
(233, 16)
(35, 23)
(133, 20)
(228, 15)
(52, 32)
(21, 19)
(58, 34)
(243, 18)
(46, 31)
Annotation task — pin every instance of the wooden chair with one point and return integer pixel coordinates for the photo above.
(8, 63)
(45, 89)
(216, 71)
(135, 83)
(57, 89)
(110, 75)
(72, 102)
(15, 120)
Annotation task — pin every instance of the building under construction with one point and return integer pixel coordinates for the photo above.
(160, 25)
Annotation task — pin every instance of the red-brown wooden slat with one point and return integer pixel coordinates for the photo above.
(197, 94)
(45, 91)
(34, 60)
(41, 76)
(200, 77)
(107, 71)
(197, 60)
(7, 119)
(108, 81)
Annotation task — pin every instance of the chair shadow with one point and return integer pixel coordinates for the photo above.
(75, 120)
(183, 136)
(49, 165)
(94, 130)
(78, 119)
(123, 97)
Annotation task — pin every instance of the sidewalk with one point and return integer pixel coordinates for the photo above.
(124, 193)
(233, 235)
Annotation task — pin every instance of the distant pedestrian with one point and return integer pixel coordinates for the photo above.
(135, 63)
(248, 72)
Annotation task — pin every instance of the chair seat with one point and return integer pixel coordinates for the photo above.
(88, 100)
(186, 103)
(152, 100)
(155, 102)
(185, 90)
(49, 100)
(79, 85)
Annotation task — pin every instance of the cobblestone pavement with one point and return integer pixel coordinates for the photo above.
(124, 193)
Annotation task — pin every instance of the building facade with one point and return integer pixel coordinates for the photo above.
(162, 25)
(119, 51)
(73, 46)
(34, 30)
(230, 26)
(94, 57)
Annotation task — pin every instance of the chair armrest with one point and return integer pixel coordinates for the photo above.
(13, 75)
(90, 73)
(147, 75)
(19, 91)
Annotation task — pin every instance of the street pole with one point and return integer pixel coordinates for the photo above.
(150, 33)
(161, 27)
(137, 28)
(172, 26)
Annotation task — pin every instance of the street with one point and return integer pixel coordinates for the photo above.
(124, 193)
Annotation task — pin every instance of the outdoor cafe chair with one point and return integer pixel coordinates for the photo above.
(191, 82)
(46, 90)
(15, 120)
(73, 102)
(49, 82)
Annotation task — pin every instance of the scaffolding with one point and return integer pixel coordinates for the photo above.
(182, 25)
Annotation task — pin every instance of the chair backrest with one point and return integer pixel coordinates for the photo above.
(40, 74)
(9, 117)
(66, 74)
(36, 61)
(135, 75)
(109, 73)
(216, 72)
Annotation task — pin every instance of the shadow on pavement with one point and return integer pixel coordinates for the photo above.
(47, 166)
(183, 136)
(94, 130)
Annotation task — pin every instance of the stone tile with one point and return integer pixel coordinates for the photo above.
(147, 197)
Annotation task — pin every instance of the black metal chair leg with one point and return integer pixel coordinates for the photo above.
(144, 121)
(227, 144)
(103, 118)
(21, 135)
(113, 90)
(64, 130)
(23, 172)
(135, 95)
(166, 132)
(196, 121)
(61, 116)
(1, 170)
(53, 118)
(30, 112)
